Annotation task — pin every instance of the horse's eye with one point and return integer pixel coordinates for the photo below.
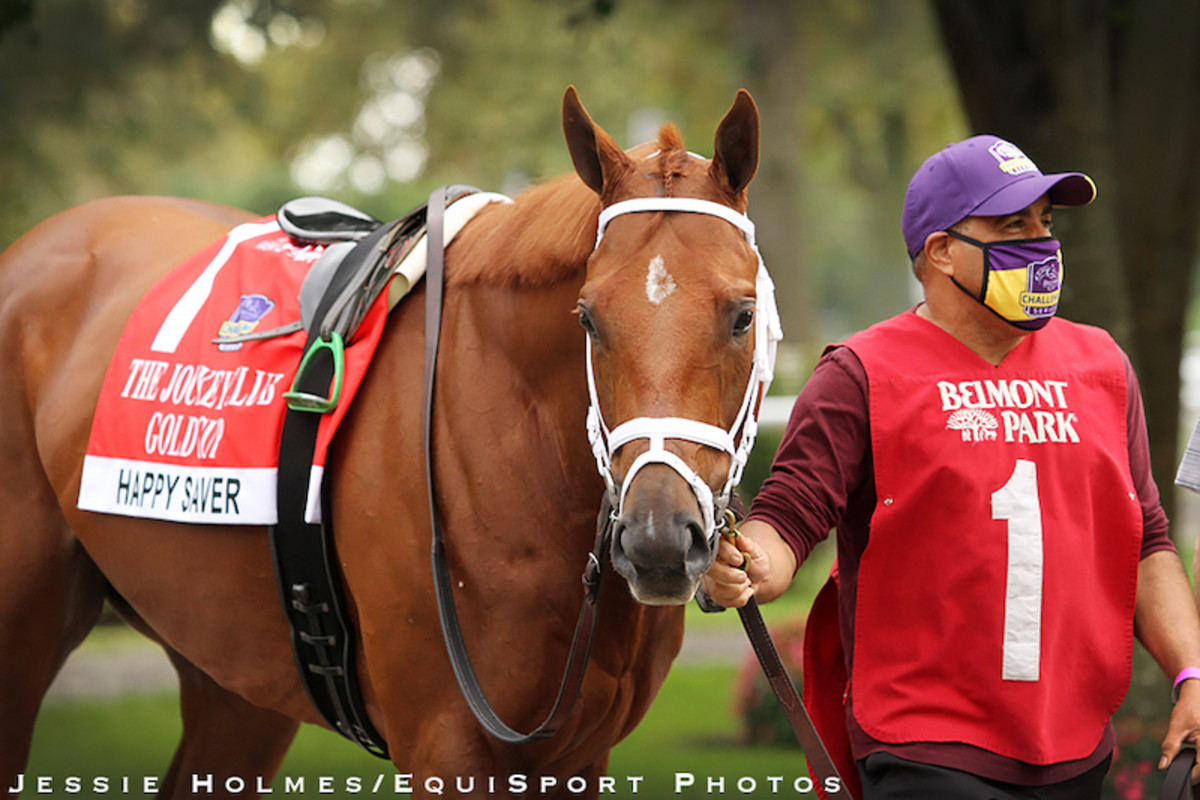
(585, 320)
(743, 322)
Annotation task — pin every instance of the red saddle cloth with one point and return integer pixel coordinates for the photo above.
(188, 425)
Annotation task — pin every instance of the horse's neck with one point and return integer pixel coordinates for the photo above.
(514, 370)
(515, 271)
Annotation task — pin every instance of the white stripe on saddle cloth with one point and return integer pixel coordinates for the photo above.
(180, 318)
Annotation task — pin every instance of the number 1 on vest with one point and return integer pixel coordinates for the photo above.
(1017, 503)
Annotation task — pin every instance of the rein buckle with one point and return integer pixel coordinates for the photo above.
(591, 573)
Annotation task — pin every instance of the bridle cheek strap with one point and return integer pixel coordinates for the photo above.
(656, 430)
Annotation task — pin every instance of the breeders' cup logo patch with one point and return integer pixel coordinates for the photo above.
(1011, 159)
(249, 312)
(1040, 298)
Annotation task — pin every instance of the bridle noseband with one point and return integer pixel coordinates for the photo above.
(657, 430)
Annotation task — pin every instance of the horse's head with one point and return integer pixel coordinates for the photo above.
(681, 324)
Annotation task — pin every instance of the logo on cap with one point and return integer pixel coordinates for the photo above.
(1011, 159)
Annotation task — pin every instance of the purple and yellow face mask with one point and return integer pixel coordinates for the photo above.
(1022, 279)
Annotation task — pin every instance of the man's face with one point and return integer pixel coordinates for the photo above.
(1032, 222)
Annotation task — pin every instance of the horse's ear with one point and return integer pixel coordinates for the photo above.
(736, 144)
(597, 158)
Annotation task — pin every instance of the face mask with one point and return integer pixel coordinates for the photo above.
(1022, 279)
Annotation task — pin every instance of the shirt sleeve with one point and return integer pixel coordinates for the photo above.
(822, 457)
(1155, 527)
(1188, 475)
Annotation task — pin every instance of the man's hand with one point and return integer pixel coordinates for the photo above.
(1183, 729)
(1167, 623)
(756, 563)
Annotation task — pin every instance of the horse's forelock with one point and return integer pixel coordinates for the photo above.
(672, 159)
(669, 138)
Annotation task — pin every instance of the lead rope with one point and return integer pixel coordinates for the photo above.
(819, 762)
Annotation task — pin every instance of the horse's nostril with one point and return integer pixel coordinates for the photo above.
(662, 555)
(699, 553)
(620, 558)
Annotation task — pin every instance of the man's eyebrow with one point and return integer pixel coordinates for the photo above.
(1046, 209)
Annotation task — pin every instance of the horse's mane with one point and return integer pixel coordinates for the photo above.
(547, 233)
(543, 236)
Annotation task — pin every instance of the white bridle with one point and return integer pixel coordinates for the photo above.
(656, 430)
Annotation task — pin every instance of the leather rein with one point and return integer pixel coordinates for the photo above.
(460, 660)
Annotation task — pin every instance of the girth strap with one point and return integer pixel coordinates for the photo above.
(305, 564)
(302, 545)
(460, 661)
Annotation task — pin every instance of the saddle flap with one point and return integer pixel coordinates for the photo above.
(322, 221)
(320, 276)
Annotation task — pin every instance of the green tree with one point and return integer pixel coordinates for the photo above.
(227, 100)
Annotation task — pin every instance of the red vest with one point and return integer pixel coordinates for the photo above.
(996, 593)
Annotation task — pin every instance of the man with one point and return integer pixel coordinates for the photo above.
(999, 535)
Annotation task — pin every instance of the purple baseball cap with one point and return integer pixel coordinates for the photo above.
(982, 176)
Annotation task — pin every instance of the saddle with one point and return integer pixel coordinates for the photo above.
(321, 220)
(341, 229)
(362, 254)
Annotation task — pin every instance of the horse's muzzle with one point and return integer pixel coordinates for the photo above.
(660, 545)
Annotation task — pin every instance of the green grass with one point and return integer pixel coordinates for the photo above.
(690, 731)
(690, 734)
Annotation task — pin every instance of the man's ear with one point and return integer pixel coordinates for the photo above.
(937, 253)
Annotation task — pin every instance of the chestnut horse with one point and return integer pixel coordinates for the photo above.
(667, 301)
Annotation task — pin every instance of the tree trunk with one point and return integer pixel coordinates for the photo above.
(766, 34)
(1155, 156)
(1112, 89)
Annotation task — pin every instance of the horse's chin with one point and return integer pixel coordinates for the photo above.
(663, 596)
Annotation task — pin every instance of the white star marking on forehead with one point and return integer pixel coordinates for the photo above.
(659, 283)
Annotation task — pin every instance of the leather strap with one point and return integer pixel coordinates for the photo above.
(460, 661)
(819, 761)
(309, 584)
(820, 764)
(1177, 784)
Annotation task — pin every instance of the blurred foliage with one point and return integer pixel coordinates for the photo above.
(132, 96)
(879, 99)
(761, 718)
